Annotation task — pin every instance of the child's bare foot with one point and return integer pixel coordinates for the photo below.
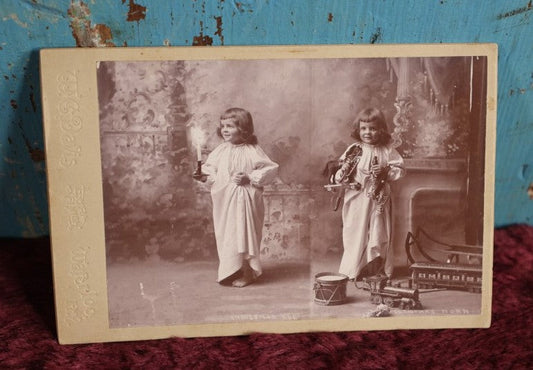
(242, 282)
(247, 278)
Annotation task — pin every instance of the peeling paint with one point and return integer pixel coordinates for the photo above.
(136, 12)
(15, 19)
(105, 34)
(520, 91)
(85, 34)
(376, 36)
(514, 12)
(219, 30)
(330, 17)
(530, 191)
(37, 155)
(32, 101)
(202, 40)
(13, 103)
(243, 6)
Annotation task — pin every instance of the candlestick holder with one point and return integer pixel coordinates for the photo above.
(197, 174)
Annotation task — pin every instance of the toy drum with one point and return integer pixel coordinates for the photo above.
(330, 288)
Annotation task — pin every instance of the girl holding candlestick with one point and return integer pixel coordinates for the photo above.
(238, 169)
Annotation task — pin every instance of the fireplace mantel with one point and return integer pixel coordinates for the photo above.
(435, 164)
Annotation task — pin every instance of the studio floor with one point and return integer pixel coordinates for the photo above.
(160, 293)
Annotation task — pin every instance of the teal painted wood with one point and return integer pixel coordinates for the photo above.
(29, 25)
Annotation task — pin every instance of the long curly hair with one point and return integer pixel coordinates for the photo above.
(244, 123)
(372, 115)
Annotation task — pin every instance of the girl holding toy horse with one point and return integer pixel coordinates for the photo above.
(368, 165)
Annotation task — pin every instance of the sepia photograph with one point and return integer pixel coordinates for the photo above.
(231, 190)
(248, 190)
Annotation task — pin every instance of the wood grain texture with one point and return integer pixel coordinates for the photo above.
(29, 25)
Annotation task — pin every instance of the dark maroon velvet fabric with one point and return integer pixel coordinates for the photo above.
(27, 330)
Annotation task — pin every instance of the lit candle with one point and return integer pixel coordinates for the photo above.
(199, 151)
(197, 139)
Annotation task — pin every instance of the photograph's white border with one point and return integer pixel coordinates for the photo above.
(72, 140)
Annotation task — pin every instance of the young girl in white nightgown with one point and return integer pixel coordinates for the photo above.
(238, 169)
(366, 215)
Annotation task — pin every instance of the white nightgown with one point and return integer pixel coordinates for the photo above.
(366, 232)
(238, 210)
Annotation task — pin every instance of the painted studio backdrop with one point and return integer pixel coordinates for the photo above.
(157, 117)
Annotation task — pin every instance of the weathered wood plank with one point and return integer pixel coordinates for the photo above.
(26, 26)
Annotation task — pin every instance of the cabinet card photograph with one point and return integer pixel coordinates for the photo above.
(231, 190)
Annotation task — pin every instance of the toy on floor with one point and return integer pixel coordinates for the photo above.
(381, 310)
(450, 274)
(392, 296)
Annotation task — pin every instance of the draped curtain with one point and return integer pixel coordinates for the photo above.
(441, 77)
